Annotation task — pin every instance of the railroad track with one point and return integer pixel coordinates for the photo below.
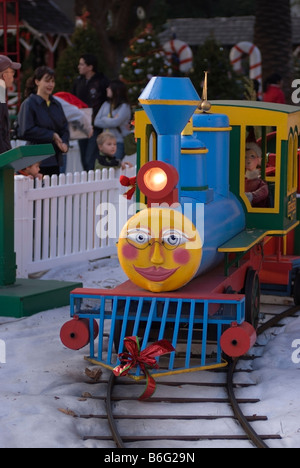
(193, 410)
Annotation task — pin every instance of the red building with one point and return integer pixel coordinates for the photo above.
(36, 27)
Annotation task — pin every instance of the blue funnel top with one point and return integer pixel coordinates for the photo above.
(169, 103)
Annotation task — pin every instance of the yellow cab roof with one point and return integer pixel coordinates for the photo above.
(246, 113)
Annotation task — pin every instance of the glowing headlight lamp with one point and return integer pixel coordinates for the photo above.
(157, 180)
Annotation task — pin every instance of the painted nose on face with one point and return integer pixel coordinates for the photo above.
(156, 256)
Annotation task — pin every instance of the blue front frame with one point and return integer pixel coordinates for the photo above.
(199, 312)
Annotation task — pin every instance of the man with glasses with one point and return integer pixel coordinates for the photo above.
(7, 73)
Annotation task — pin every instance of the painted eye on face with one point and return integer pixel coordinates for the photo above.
(172, 238)
(140, 238)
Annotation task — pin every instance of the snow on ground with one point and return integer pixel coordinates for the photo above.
(40, 376)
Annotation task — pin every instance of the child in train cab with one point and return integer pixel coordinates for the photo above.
(32, 171)
(107, 145)
(256, 189)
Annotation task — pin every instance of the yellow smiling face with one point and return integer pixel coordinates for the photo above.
(159, 249)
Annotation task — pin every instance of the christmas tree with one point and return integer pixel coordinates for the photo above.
(223, 82)
(84, 39)
(144, 59)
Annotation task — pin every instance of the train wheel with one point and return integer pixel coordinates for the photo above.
(252, 297)
(296, 292)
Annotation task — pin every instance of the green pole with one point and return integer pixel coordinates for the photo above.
(14, 159)
(20, 297)
(8, 266)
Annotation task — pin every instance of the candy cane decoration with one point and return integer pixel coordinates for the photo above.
(182, 50)
(296, 51)
(250, 49)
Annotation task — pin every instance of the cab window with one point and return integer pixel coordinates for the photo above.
(258, 163)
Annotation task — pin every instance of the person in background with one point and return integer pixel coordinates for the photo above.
(7, 73)
(256, 189)
(90, 86)
(107, 145)
(272, 89)
(32, 171)
(42, 120)
(78, 121)
(115, 114)
(74, 112)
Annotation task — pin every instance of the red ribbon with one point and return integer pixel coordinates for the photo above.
(128, 182)
(144, 359)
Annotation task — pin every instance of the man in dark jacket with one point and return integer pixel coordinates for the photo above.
(7, 72)
(90, 86)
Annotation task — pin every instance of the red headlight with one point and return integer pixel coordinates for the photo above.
(157, 180)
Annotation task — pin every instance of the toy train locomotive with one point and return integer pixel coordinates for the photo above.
(199, 252)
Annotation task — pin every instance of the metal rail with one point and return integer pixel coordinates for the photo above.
(234, 402)
(256, 439)
(111, 421)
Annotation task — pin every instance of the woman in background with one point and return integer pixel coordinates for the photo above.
(115, 114)
(42, 120)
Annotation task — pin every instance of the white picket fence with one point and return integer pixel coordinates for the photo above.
(69, 218)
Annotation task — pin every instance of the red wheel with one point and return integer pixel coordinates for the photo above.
(75, 334)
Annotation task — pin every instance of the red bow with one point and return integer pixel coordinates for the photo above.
(128, 182)
(144, 359)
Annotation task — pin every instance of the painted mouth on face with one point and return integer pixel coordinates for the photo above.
(155, 273)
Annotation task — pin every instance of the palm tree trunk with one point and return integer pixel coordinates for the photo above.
(273, 36)
(115, 22)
